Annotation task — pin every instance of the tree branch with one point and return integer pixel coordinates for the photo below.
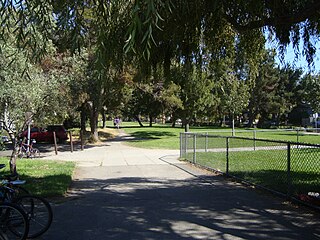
(312, 10)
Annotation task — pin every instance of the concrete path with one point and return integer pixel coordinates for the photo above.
(126, 193)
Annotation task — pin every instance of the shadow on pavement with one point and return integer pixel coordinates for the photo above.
(196, 208)
(46, 148)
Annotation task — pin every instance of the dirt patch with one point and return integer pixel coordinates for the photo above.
(103, 133)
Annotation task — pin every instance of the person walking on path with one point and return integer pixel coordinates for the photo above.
(116, 122)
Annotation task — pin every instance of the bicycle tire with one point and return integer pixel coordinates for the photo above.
(39, 213)
(21, 153)
(3, 236)
(34, 153)
(14, 224)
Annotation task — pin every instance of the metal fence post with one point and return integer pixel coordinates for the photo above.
(297, 135)
(206, 143)
(254, 141)
(55, 143)
(180, 145)
(289, 184)
(194, 148)
(186, 135)
(227, 156)
(71, 141)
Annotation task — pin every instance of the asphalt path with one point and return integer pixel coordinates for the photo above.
(121, 192)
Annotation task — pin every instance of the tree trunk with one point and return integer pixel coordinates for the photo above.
(13, 166)
(167, 62)
(173, 122)
(139, 121)
(13, 158)
(221, 120)
(185, 124)
(94, 125)
(103, 118)
(251, 116)
(150, 121)
(83, 115)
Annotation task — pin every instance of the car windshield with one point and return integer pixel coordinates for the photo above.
(34, 129)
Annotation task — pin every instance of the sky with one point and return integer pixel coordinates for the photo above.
(301, 61)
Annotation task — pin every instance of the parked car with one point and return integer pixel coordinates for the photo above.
(46, 134)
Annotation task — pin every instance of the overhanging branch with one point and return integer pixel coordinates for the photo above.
(309, 12)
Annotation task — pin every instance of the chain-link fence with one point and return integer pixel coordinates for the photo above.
(290, 168)
(299, 134)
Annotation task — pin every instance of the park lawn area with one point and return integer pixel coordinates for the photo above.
(269, 167)
(157, 137)
(163, 136)
(43, 177)
(276, 134)
(281, 135)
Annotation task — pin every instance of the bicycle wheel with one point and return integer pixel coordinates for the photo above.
(14, 224)
(39, 214)
(21, 153)
(34, 153)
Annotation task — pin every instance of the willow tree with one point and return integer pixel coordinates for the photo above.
(101, 27)
(144, 20)
(196, 34)
(159, 31)
(311, 91)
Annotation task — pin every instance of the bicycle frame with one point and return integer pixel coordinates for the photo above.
(26, 149)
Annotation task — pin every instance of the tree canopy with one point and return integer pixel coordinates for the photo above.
(206, 40)
(184, 59)
(162, 23)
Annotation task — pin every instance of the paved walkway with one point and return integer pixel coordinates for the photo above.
(126, 193)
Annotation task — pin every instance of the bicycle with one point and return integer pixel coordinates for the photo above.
(37, 209)
(14, 224)
(28, 151)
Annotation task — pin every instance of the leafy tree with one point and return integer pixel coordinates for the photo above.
(235, 96)
(101, 27)
(287, 21)
(69, 70)
(26, 88)
(195, 94)
(311, 91)
(151, 22)
(287, 93)
(28, 25)
(170, 34)
(263, 89)
(153, 100)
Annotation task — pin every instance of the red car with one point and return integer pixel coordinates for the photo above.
(46, 134)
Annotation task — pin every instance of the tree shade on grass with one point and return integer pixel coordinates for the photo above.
(166, 137)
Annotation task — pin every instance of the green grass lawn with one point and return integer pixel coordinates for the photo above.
(43, 177)
(158, 136)
(291, 136)
(269, 167)
(163, 136)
